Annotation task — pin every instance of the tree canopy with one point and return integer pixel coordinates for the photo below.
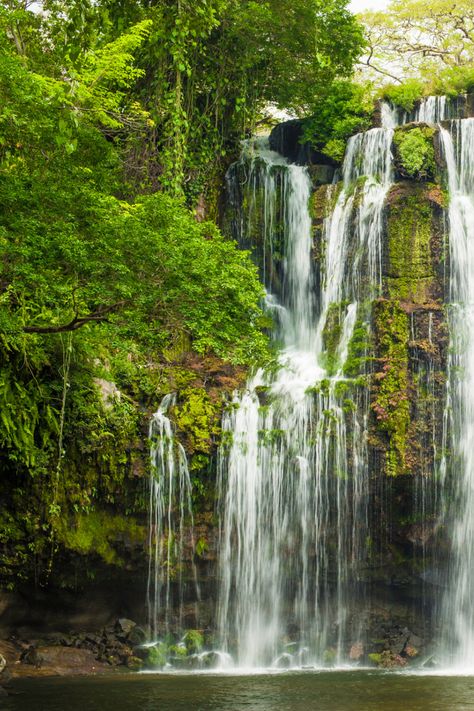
(432, 41)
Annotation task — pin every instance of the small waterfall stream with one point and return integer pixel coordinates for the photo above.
(458, 612)
(170, 523)
(292, 484)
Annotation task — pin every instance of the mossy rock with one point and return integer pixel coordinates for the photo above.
(157, 656)
(101, 533)
(410, 269)
(391, 402)
(193, 641)
(197, 417)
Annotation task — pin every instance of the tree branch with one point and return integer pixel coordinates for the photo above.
(78, 321)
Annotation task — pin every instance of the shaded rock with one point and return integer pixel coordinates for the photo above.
(5, 674)
(124, 626)
(109, 392)
(134, 663)
(59, 661)
(387, 660)
(285, 139)
(31, 656)
(356, 651)
(469, 106)
(136, 636)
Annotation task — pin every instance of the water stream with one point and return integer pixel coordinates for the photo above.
(458, 611)
(171, 526)
(292, 484)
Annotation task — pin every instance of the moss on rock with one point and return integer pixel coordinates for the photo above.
(197, 417)
(391, 405)
(410, 269)
(101, 533)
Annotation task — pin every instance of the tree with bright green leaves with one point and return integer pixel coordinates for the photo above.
(431, 41)
(92, 285)
(209, 70)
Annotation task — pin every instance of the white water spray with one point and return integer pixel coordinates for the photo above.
(293, 502)
(458, 612)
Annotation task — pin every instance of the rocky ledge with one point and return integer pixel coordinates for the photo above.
(118, 647)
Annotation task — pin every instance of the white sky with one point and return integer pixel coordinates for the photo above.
(360, 5)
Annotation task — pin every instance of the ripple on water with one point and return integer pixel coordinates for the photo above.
(228, 691)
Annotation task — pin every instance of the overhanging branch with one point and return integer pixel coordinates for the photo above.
(98, 316)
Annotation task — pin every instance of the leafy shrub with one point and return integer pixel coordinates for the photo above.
(415, 152)
(343, 110)
(406, 94)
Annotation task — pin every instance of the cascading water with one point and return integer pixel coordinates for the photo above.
(293, 482)
(170, 524)
(457, 480)
(431, 109)
(458, 610)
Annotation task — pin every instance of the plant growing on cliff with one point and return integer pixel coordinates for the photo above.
(340, 110)
(415, 152)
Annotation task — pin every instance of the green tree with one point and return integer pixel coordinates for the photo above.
(414, 38)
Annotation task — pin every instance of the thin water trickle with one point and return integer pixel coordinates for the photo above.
(171, 525)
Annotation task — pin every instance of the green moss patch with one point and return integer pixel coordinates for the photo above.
(391, 405)
(197, 416)
(410, 264)
(101, 534)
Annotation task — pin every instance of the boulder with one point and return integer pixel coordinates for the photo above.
(285, 139)
(124, 626)
(136, 636)
(5, 674)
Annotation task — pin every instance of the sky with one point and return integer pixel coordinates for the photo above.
(360, 5)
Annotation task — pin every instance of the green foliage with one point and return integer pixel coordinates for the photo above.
(453, 81)
(194, 641)
(358, 350)
(97, 532)
(225, 61)
(415, 152)
(419, 39)
(157, 656)
(197, 416)
(340, 110)
(332, 334)
(95, 291)
(405, 94)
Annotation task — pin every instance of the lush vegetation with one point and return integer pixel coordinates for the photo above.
(117, 122)
(415, 152)
(417, 48)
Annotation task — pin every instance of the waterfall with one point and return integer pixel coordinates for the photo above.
(432, 110)
(292, 483)
(171, 525)
(458, 611)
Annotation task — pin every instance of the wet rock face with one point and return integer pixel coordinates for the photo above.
(286, 138)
